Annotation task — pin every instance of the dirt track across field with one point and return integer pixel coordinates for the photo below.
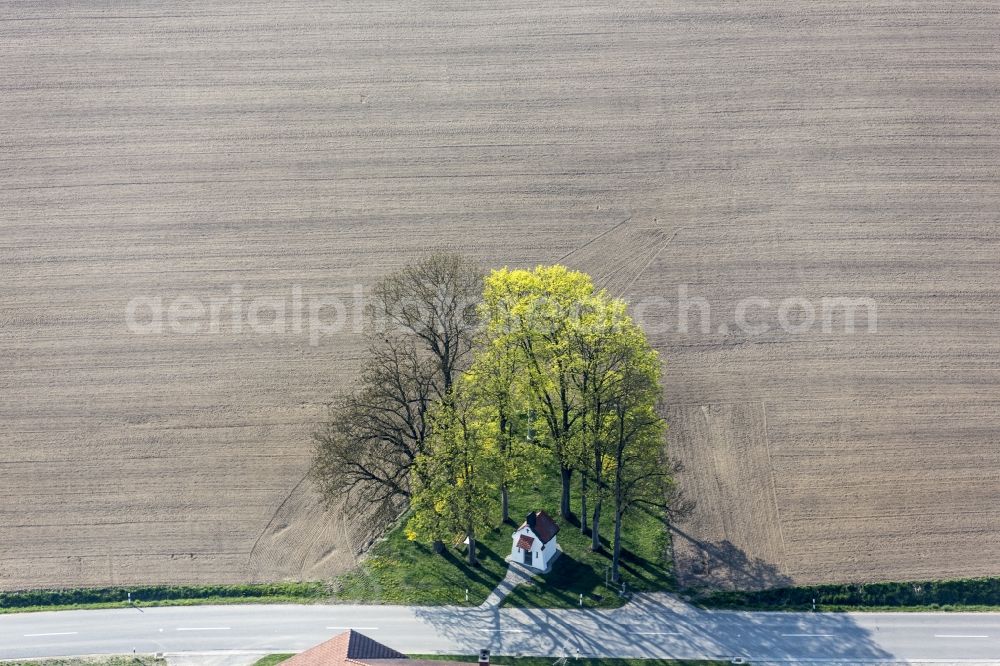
(771, 148)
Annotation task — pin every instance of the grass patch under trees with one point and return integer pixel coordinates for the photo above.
(400, 571)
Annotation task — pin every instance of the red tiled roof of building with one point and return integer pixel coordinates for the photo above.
(353, 649)
(525, 542)
(542, 525)
(345, 649)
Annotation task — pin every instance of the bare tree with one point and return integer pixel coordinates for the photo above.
(435, 301)
(423, 320)
(365, 451)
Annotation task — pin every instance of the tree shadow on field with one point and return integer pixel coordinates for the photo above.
(721, 565)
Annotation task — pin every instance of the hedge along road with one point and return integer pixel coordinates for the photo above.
(652, 626)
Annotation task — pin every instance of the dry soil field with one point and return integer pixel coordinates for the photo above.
(767, 148)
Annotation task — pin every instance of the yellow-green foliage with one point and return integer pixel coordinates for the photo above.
(457, 490)
(560, 372)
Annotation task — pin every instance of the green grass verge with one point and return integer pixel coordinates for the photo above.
(272, 659)
(162, 595)
(548, 661)
(399, 571)
(971, 594)
(130, 660)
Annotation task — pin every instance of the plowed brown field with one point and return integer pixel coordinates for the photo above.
(769, 148)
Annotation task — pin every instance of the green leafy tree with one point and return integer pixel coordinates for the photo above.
(493, 378)
(604, 342)
(533, 313)
(635, 432)
(456, 489)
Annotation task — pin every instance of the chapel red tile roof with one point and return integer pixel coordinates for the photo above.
(525, 542)
(541, 524)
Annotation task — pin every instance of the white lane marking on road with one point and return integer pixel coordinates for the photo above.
(807, 635)
(960, 636)
(54, 633)
(204, 628)
(356, 628)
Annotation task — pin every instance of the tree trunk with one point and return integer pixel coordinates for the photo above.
(583, 503)
(471, 555)
(616, 556)
(595, 529)
(567, 475)
(506, 437)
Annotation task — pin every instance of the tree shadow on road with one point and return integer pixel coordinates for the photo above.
(657, 626)
(660, 625)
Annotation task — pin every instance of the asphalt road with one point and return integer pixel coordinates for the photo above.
(653, 626)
